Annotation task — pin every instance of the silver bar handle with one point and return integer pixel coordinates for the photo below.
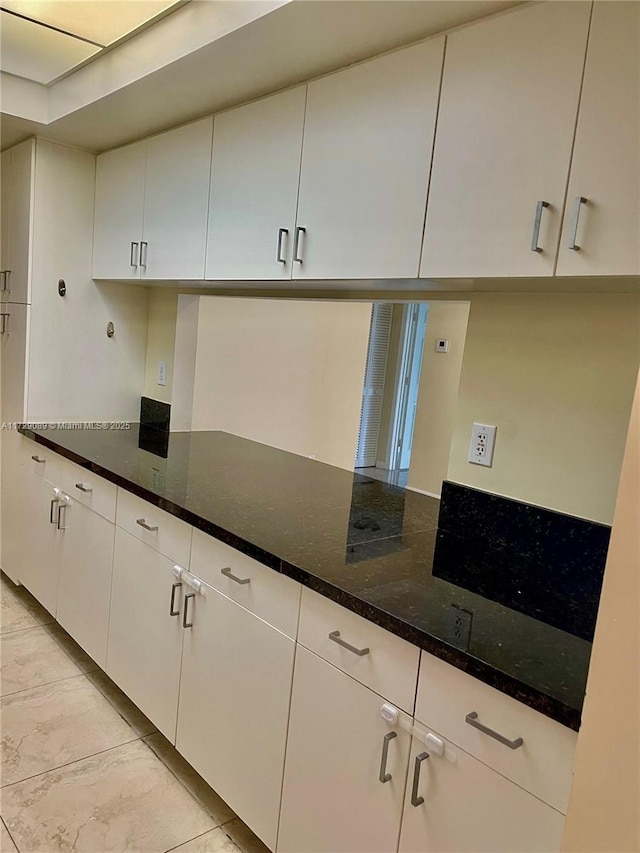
(4, 328)
(185, 619)
(54, 502)
(38, 459)
(84, 488)
(172, 603)
(536, 226)
(143, 253)
(4, 287)
(281, 234)
(62, 506)
(227, 573)
(335, 636)
(133, 254)
(415, 799)
(472, 719)
(384, 776)
(580, 200)
(142, 522)
(296, 245)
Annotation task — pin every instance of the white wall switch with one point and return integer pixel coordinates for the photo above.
(162, 373)
(442, 345)
(483, 439)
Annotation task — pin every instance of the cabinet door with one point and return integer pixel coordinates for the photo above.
(333, 800)
(84, 586)
(16, 529)
(176, 202)
(254, 188)
(505, 127)
(461, 806)
(366, 155)
(41, 540)
(19, 240)
(234, 705)
(605, 170)
(14, 354)
(5, 211)
(145, 639)
(119, 205)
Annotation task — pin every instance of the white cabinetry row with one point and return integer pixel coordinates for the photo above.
(302, 715)
(533, 170)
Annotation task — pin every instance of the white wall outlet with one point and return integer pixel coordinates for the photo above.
(442, 345)
(483, 439)
(162, 373)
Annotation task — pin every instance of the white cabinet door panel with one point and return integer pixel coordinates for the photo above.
(365, 166)
(176, 202)
(13, 345)
(234, 706)
(605, 169)
(40, 548)
(333, 800)
(120, 179)
(468, 808)
(507, 114)
(254, 188)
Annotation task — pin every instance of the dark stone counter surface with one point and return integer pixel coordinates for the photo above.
(376, 549)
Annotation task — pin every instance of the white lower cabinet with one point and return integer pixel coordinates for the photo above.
(455, 803)
(84, 585)
(145, 635)
(38, 566)
(235, 692)
(334, 799)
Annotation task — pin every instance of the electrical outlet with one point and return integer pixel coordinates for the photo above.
(461, 626)
(483, 439)
(162, 373)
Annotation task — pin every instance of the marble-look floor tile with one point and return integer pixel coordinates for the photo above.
(6, 844)
(121, 800)
(216, 841)
(56, 724)
(71, 648)
(141, 725)
(246, 840)
(215, 806)
(30, 658)
(13, 614)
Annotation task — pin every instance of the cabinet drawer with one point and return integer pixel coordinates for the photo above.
(38, 459)
(162, 531)
(389, 666)
(542, 764)
(89, 489)
(271, 596)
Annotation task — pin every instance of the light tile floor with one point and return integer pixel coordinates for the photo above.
(83, 770)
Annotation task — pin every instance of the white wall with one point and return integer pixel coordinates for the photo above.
(555, 373)
(161, 342)
(283, 372)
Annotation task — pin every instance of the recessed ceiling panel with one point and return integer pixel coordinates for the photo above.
(38, 53)
(101, 21)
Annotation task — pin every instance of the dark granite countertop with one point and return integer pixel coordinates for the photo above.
(374, 548)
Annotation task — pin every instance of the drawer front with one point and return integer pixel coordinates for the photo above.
(389, 667)
(86, 488)
(542, 764)
(156, 528)
(270, 595)
(46, 463)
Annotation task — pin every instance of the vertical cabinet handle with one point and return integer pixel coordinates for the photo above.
(536, 226)
(54, 503)
(296, 245)
(133, 255)
(580, 200)
(4, 280)
(143, 253)
(185, 619)
(62, 506)
(281, 233)
(172, 603)
(4, 325)
(415, 799)
(384, 776)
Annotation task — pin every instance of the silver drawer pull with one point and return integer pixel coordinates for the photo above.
(39, 460)
(84, 488)
(185, 619)
(227, 573)
(384, 776)
(536, 226)
(143, 523)
(296, 245)
(415, 799)
(172, 604)
(472, 719)
(335, 636)
(54, 504)
(580, 200)
(282, 232)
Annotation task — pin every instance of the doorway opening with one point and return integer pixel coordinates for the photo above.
(390, 392)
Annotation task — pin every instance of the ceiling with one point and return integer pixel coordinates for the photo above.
(93, 74)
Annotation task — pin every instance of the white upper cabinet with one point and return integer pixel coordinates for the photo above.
(151, 206)
(508, 109)
(366, 155)
(17, 193)
(118, 212)
(601, 232)
(254, 188)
